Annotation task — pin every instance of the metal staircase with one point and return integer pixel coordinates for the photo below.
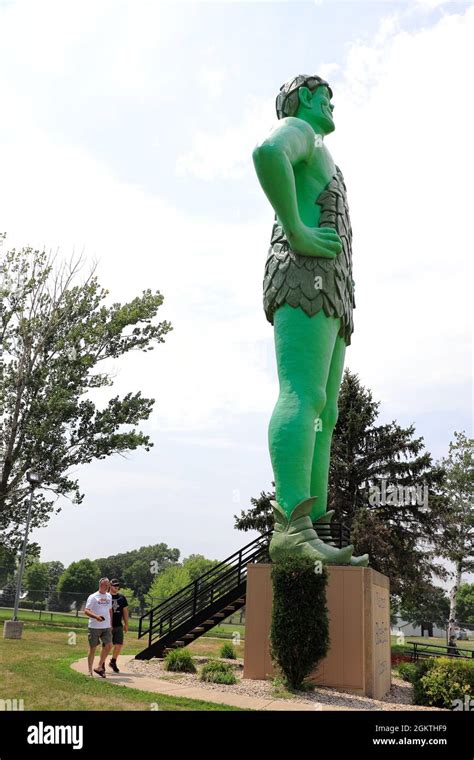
(198, 607)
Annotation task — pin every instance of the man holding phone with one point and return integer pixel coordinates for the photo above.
(99, 611)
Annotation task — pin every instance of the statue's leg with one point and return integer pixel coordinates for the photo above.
(324, 431)
(304, 350)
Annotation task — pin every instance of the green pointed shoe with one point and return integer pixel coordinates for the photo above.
(296, 536)
(362, 561)
(325, 519)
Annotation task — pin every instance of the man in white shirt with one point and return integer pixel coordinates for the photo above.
(99, 611)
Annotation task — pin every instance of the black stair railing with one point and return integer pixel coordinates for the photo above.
(335, 533)
(225, 577)
(206, 590)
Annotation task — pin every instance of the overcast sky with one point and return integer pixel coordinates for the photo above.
(126, 132)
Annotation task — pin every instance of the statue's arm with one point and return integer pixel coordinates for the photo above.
(290, 142)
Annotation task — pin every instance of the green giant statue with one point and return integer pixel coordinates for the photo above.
(309, 298)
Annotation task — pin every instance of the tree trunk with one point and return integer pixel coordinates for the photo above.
(453, 600)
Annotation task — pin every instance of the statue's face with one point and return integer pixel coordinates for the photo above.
(322, 109)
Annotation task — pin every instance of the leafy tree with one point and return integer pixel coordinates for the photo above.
(79, 580)
(171, 580)
(139, 567)
(55, 332)
(363, 454)
(465, 603)
(430, 605)
(55, 570)
(455, 539)
(7, 597)
(197, 564)
(9, 560)
(7, 565)
(139, 577)
(130, 597)
(36, 580)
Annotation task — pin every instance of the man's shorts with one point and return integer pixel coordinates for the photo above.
(117, 635)
(104, 634)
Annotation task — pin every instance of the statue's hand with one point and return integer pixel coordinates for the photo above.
(323, 242)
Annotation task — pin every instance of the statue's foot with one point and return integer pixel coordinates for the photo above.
(326, 518)
(362, 561)
(296, 536)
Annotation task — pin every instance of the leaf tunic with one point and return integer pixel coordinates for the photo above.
(314, 283)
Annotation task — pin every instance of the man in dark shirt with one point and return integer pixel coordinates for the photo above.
(119, 614)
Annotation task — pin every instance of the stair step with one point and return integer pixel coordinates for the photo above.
(209, 622)
(178, 644)
(219, 615)
(230, 608)
(188, 636)
(199, 629)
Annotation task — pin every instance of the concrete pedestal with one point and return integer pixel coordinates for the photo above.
(359, 628)
(13, 629)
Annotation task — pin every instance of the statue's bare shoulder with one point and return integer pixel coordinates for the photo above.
(293, 136)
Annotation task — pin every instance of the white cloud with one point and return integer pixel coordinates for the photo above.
(211, 80)
(327, 70)
(404, 143)
(430, 4)
(227, 154)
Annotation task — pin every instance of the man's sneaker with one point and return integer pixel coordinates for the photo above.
(100, 671)
(113, 665)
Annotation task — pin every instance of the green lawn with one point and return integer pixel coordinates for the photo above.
(37, 670)
(62, 619)
(406, 647)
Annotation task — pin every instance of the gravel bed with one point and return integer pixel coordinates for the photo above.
(398, 698)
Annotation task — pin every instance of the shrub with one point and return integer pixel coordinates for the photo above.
(300, 630)
(440, 682)
(29, 604)
(228, 651)
(422, 668)
(407, 671)
(180, 661)
(218, 672)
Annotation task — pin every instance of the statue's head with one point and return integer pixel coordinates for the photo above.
(307, 97)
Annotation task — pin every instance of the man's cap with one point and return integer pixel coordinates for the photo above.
(115, 582)
(287, 100)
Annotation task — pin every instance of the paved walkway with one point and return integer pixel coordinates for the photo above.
(174, 689)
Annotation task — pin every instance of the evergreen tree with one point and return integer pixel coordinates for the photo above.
(364, 456)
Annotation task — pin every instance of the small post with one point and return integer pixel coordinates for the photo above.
(13, 629)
